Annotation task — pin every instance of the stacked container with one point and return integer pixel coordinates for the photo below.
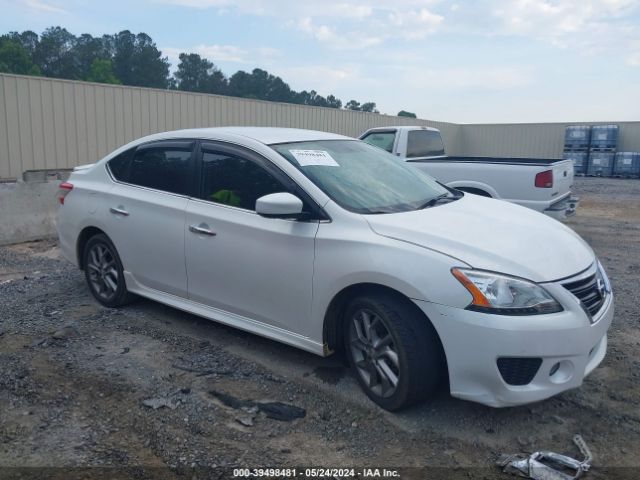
(577, 139)
(602, 150)
(601, 163)
(627, 164)
(579, 159)
(604, 138)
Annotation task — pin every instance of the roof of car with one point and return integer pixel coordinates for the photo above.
(266, 135)
(403, 127)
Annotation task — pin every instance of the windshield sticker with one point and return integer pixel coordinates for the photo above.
(307, 158)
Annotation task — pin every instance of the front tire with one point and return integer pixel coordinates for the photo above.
(104, 273)
(393, 350)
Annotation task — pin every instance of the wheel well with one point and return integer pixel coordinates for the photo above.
(332, 329)
(83, 238)
(475, 191)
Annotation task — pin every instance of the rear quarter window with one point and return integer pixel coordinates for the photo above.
(119, 165)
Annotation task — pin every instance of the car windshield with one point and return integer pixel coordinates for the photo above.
(362, 178)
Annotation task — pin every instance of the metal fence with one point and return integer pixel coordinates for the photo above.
(50, 124)
(58, 124)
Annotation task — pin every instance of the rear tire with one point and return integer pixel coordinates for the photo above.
(104, 273)
(393, 350)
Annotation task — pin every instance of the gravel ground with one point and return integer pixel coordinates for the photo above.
(149, 391)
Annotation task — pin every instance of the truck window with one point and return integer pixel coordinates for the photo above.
(424, 143)
(383, 140)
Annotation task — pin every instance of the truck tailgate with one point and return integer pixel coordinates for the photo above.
(562, 177)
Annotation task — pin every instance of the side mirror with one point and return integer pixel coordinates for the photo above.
(279, 205)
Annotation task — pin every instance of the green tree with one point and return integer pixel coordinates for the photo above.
(86, 50)
(260, 84)
(369, 107)
(54, 54)
(137, 61)
(353, 105)
(334, 102)
(197, 74)
(404, 113)
(101, 71)
(28, 39)
(15, 58)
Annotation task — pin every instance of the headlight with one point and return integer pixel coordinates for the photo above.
(504, 295)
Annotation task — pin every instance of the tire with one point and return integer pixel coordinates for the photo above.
(410, 339)
(104, 273)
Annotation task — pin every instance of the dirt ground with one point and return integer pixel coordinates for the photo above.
(78, 383)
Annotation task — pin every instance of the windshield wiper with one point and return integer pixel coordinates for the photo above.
(435, 200)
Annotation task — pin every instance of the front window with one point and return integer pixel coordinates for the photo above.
(235, 181)
(362, 178)
(383, 140)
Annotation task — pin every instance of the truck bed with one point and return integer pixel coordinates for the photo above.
(542, 162)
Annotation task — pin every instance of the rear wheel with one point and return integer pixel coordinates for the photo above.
(104, 273)
(393, 350)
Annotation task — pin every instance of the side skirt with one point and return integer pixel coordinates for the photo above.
(227, 318)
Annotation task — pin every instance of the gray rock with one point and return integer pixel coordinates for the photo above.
(159, 402)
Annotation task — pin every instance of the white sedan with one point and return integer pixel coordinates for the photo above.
(330, 244)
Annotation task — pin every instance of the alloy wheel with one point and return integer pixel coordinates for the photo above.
(374, 353)
(103, 271)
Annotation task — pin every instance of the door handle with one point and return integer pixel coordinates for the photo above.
(203, 229)
(119, 211)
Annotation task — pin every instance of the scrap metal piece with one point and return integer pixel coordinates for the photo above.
(544, 465)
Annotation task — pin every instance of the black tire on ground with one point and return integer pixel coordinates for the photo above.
(412, 341)
(103, 271)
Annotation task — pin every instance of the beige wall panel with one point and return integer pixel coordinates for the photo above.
(51, 123)
(91, 122)
(13, 127)
(70, 126)
(5, 171)
(24, 126)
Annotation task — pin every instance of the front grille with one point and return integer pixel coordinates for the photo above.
(518, 370)
(587, 291)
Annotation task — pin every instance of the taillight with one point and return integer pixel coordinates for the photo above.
(65, 188)
(544, 179)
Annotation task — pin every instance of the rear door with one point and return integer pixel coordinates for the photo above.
(146, 213)
(238, 261)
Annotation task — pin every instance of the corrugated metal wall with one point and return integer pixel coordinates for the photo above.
(537, 140)
(56, 124)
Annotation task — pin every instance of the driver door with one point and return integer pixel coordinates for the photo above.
(238, 261)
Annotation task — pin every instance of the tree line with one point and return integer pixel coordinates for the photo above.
(134, 59)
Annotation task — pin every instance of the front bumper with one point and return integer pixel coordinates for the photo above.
(474, 341)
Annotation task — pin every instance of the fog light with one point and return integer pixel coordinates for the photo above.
(561, 372)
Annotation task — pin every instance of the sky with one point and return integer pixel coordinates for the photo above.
(482, 61)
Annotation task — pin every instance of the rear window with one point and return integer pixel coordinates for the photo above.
(383, 140)
(161, 168)
(424, 143)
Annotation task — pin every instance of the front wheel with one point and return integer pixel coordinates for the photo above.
(393, 350)
(104, 273)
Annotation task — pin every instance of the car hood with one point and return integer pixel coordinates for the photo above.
(492, 235)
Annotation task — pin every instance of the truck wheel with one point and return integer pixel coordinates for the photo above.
(104, 273)
(393, 350)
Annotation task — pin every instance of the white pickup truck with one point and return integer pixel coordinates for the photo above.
(541, 184)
